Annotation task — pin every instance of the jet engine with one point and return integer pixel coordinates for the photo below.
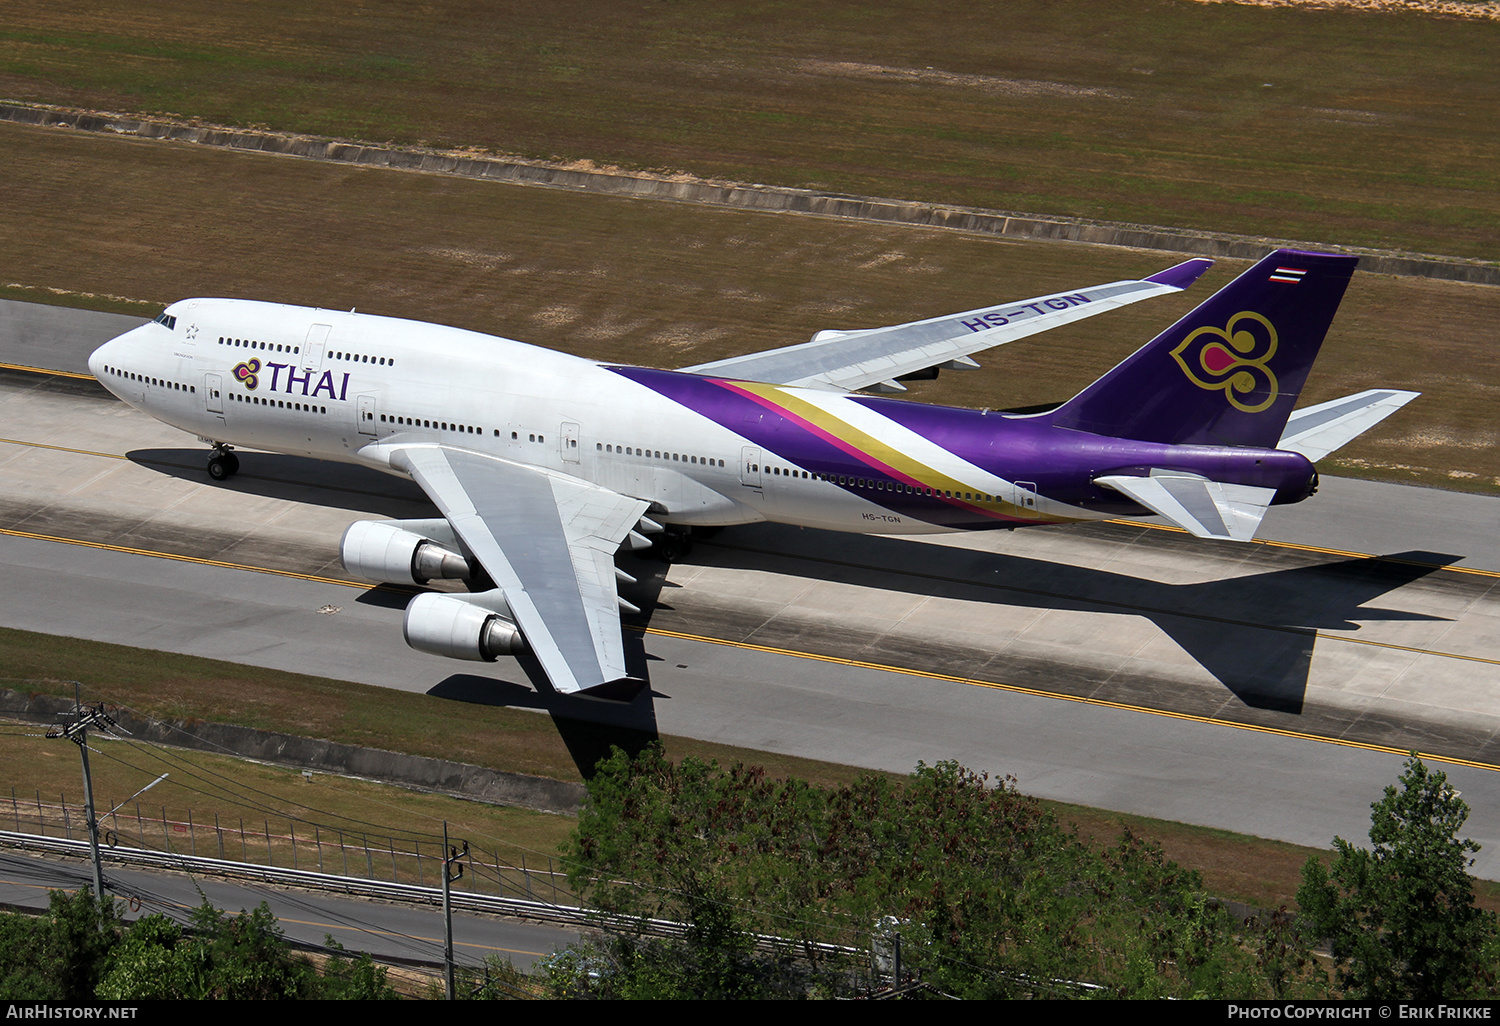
(403, 551)
(472, 627)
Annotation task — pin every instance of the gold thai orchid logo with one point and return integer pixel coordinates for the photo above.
(1233, 359)
(247, 373)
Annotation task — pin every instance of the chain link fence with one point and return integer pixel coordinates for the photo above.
(288, 843)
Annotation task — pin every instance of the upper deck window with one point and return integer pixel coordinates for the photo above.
(166, 319)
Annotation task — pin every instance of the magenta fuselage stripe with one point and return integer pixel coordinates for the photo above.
(823, 433)
(863, 456)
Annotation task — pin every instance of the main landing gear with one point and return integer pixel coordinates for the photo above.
(674, 543)
(222, 463)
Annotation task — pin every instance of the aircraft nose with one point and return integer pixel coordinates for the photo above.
(97, 360)
(112, 354)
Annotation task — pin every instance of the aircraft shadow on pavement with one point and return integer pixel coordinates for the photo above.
(588, 727)
(272, 475)
(1254, 634)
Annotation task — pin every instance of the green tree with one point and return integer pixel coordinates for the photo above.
(992, 897)
(24, 967)
(60, 956)
(227, 957)
(151, 963)
(1400, 915)
(353, 979)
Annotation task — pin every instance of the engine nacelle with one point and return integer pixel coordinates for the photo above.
(475, 627)
(389, 551)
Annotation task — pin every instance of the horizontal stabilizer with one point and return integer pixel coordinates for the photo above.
(1319, 430)
(1204, 508)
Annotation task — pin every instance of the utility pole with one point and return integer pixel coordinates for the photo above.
(451, 856)
(77, 732)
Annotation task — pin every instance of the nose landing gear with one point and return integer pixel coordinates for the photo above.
(222, 463)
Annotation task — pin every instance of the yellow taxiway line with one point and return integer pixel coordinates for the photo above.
(45, 370)
(185, 559)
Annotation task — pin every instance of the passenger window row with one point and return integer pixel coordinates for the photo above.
(656, 454)
(175, 386)
(441, 425)
(282, 404)
(363, 358)
(877, 485)
(246, 343)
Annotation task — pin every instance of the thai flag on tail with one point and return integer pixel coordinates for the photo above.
(1289, 275)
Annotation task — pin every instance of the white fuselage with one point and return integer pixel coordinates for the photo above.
(349, 386)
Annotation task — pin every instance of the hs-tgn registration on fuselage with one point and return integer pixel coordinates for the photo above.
(544, 465)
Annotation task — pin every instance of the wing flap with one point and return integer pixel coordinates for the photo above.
(1204, 508)
(851, 360)
(548, 541)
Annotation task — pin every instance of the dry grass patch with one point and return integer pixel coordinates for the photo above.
(1350, 126)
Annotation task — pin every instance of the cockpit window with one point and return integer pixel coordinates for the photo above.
(167, 319)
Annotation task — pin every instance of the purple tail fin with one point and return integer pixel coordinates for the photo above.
(1229, 372)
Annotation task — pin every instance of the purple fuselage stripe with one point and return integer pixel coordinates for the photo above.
(793, 440)
(1061, 462)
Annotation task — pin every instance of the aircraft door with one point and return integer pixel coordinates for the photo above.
(750, 466)
(367, 415)
(312, 349)
(568, 442)
(1026, 498)
(213, 393)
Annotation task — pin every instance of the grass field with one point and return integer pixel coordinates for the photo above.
(668, 285)
(1344, 127)
(265, 800)
(189, 689)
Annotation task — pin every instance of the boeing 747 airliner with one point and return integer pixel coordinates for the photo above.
(544, 465)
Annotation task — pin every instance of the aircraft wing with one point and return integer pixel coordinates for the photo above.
(879, 357)
(548, 541)
(1207, 509)
(1319, 430)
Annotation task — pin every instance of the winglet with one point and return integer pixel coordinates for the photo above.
(1180, 276)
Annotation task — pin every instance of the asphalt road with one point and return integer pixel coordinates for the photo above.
(386, 931)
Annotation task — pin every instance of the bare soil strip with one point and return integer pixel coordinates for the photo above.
(1479, 10)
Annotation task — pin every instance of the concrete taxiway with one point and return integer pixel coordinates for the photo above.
(1119, 666)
